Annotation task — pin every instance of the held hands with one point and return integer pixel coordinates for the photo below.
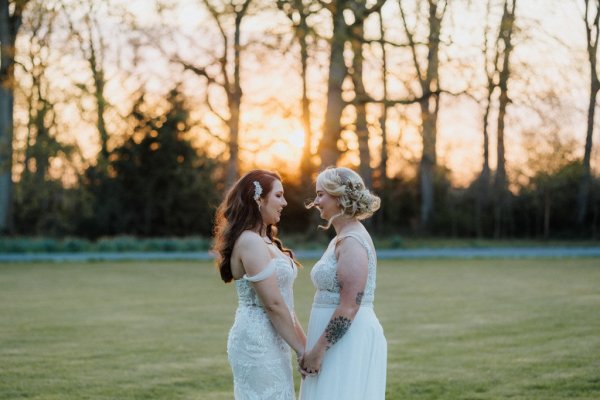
(299, 360)
(310, 364)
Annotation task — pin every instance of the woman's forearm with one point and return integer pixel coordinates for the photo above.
(284, 324)
(299, 331)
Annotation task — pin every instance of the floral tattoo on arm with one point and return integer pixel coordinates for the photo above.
(336, 328)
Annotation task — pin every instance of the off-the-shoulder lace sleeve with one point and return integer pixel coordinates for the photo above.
(262, 275)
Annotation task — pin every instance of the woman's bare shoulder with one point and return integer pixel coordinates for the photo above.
(248, 246)
(248, 238)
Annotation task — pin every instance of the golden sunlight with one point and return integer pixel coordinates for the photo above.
(270, 142)
(296, 139)
(275, 150)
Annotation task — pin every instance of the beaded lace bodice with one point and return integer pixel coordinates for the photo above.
(324, 274)
(286, 274)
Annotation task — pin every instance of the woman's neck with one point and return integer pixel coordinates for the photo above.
(261, 230)
(342, 224)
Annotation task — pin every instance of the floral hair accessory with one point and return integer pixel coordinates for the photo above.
(257, 190)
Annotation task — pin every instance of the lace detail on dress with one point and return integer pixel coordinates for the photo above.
(324, 275)
(260, 359)
(286, 274)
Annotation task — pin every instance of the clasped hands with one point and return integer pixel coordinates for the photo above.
(309, 363)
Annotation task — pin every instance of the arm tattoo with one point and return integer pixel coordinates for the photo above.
(359, 297)
(336, 328)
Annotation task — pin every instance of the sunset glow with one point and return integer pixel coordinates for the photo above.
(470, 119)
(271, 134)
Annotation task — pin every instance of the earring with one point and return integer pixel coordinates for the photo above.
(259, 208)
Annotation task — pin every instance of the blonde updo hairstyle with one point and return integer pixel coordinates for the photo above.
(347, 186)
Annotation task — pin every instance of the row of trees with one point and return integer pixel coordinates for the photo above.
(161, 185)
(390, 67)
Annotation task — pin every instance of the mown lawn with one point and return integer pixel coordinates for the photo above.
(492, 329)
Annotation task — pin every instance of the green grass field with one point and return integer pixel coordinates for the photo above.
(493, 329)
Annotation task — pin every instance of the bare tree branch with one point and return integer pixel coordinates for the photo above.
(412, 44)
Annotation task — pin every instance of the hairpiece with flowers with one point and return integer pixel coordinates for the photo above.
(257, 190)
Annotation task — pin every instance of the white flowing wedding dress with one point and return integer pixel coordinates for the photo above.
(355, 367)
(260, 359)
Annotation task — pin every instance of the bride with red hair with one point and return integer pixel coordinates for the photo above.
(250, 254)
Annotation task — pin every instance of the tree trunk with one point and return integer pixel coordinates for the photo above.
(42, 154)
(328, 150)
(500, 181)
(500, 184)
(99, 83)
(10, 22)
(586, 175)
(384, 111)
(362, 131)
(482, 184)
(384, 152)
(592, 32)
(428, 163)
(306, 165)
(380, 217)
(429, 112)
(95, 59)
(233, 169)
(6, 127)
(481, 199)
(235, 103)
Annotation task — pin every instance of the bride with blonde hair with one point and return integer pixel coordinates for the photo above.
(346, 350)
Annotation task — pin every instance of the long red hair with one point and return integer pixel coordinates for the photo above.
(239, 212)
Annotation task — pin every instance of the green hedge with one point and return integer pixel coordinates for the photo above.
(113, 244)
(316, 241)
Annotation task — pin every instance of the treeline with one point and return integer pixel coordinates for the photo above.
(157, 183)
(169, 112)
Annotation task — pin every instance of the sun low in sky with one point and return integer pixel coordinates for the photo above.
(547, 58)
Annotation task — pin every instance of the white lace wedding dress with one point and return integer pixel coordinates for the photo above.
(260, 359)
(355, 367)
